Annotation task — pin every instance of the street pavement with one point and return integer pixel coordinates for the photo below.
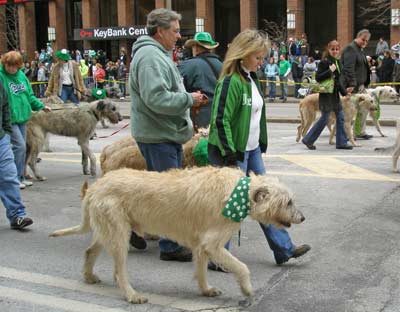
(351, 201)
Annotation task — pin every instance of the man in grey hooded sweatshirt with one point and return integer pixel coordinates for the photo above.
(160, 107)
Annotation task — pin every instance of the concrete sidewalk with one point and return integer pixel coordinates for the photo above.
(288, 112)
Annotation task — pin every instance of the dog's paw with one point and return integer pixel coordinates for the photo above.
(136, 298)
(211, 292)
(91, 279)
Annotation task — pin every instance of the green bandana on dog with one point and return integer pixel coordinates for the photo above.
(238, 205)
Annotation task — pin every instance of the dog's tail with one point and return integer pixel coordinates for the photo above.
(78, 229)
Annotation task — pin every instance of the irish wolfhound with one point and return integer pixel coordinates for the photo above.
(148, 202)
(309, 106)
(394, 149)
(126, 154)
(75, 122)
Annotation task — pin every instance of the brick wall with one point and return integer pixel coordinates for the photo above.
(57, 20)
(27, 28)
(345, 21)
(296, 7)
(205, 9)
(395, 30)
(248, 14)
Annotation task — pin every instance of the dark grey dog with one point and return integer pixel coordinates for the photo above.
(77, 122)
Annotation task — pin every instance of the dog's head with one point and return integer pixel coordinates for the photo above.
(113, 92)
(384, 93)
(272, 203)
(108, 109)
(366, 102)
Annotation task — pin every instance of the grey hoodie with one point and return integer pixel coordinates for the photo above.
(159, 103)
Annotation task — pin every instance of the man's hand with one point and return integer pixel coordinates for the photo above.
(350, 90)
(47, 109)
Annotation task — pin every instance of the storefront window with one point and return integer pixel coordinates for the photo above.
(143, 7)
(188, 10)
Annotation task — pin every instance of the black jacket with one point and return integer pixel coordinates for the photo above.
(297, 71)
(356, 70)
(329, 102)
(387, 70)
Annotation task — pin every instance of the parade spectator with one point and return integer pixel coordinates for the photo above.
(238, 132)
(271, 72)
(317, 55)
(292, 49)
(396, 72)
(310, 68)
(122, 56)
(92, 71)
(9, 183)
(274, 52)
(297, 75)
(84, 72)
(28, 71)
(356, 72)
(329, 67)
(387, 67)
(160, 121)
(66, 79)
(304, 50)
(111, 73)
(284, 71)
(21, 101)
(122, 77)
(381, 47)
(201, 72)
(372, 68)
(100, 76)
(41, 78)
(78, 56)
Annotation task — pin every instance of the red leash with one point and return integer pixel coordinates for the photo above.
(115, 132)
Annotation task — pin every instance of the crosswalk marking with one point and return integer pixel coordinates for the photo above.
(321, 166)
(103, 290)
(52, 301)
(330, 167)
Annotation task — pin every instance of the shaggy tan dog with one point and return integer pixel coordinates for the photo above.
(126, 154)
(309, 106)
(75, 122)
(396, 151)
(153, 202)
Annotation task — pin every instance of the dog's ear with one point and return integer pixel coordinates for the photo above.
(101, 105)
(260, 194)
(361, 98)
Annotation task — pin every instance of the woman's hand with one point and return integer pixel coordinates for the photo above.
(332, 68)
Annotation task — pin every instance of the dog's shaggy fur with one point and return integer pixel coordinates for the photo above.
(126, 154)
(75, 122)
(396, 151)
(146, 201)
(309, 106)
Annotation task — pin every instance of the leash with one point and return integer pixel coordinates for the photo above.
(115, 132)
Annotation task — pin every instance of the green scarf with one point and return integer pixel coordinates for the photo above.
(238, 205)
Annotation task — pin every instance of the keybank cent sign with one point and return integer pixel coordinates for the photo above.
(109, 33)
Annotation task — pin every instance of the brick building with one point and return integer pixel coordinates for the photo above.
(76, 21)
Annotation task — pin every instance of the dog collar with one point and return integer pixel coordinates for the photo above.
(238, 206)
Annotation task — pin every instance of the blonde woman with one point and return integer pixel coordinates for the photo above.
(238, 131)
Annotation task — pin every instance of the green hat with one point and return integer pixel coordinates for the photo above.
(98, 93)
(203, 39)
(63, 55)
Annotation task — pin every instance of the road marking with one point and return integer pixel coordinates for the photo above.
(52, 301)
(330, 167)
(108, 291)
(322, 166)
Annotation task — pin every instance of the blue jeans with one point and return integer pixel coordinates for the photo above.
(272, 87)
(122, 88)
(319, 126)
(284, 86)
(161, 157)
(278, 239)
(18, 143)
(42, 90)
(9, 184)
(67, 93)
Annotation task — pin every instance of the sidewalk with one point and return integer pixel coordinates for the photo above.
(288, 112)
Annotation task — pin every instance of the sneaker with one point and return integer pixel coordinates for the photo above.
(182, 255)
(215, 267)
(27, 183)
(137, 241)
(20, 222)
(298, 252)
(309, 145)
(122, 98)
(21, 186)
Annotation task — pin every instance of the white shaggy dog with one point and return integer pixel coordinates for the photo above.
(183, 205)
(396, 151)
(381, 93)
